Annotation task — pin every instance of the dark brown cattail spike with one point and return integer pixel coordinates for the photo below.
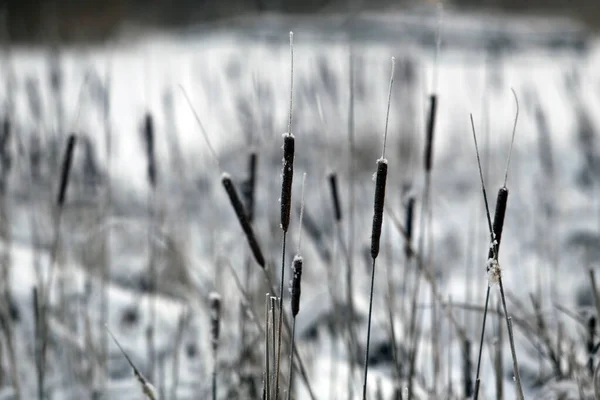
(295, 289)
(66, 169)
(333, 186)
(242, 218)
(410, 216)
(430, 132)
(149, 140)
(287, 179)
(249, 186)
(498, 225)
(215, 320)
(590, 343)
(467, 367)
(380, 182)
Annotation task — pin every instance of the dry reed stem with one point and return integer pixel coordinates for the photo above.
(146, 386)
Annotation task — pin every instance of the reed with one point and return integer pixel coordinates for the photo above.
(147, 388)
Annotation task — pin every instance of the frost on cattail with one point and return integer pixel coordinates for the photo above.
(243, 219)
(147, 388)
(430, 132)
(215, 319)
(498, 225)
(494, 271)
(149, 141)
(296, 287)
(335, 198)
(287, 179)
(380, 182)
(66, 169)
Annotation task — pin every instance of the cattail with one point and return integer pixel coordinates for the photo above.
(430, 132)
(333, 187)
(215, 319)
(4, 149)
(242, 218)
(295, 303)
(249, 186)
(149, 140)
(590, 343)
(380, 182)
(5, 157)
(467, 368)
(287, 179)
(296, 289)
(498, 225)
(410, 211)
(65, 170)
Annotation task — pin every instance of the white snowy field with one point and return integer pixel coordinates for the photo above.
(238, 80)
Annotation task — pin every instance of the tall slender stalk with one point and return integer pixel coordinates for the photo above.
(493, 268)
(296, 289)
(378, 206)
(286, 205)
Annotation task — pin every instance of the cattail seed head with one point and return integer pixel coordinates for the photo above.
(149, 140)
(333, 187)
(410, 215)
(215, 318)
(430, 132)
(249, 186)
(287, 178)
(296, 289)
(380, 182)
(243, 219)
(498, 225)
(66, 169)
(467, 369)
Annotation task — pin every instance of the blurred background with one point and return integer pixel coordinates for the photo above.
(68, 20)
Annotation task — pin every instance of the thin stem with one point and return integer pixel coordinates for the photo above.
(280, 323)
(366, 368)
(289, 395)
(485, 310)
(512, 342)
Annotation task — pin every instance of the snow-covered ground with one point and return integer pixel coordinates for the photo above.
(238, 80)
